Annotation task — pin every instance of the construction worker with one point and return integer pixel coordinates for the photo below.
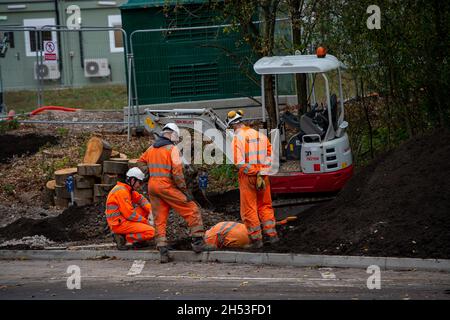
(129, 213)
(252, 152)
(167, 189)
(227, 234)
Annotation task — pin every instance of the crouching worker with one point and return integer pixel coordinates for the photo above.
(227, 234)
(128, 213)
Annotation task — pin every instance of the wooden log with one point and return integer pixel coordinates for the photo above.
(100, 199)
(51, 185)
(61, 175)
(135, 163)
(49, 194)
(109, 178)
(115, 154)
(61, 202)
(97, 151)
(61, 192)
(115, 167)
(86, 169)
(102, 190)
(119, 160)
(84, 182)
(83, 201)
(83, 193)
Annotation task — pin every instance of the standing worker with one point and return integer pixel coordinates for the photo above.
(252, 151)
(167, 189)
(227, 234)
(129, 213)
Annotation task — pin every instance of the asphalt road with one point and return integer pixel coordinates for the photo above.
(121, 279)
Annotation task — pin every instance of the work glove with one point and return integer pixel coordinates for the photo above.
(150, 220)
(189, 196)
(260, 183)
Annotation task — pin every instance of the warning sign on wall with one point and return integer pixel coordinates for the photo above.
(50, 51)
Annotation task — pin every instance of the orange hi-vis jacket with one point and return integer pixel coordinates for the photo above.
(124, 204)
(167, 189)
(252, 151)
(227, 234)
(164, 166)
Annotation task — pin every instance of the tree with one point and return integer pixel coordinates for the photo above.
(303, 19)
(260, 37)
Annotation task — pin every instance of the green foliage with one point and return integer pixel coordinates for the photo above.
(63, 132)
(9, 189)
(8, 125)
(226, 173)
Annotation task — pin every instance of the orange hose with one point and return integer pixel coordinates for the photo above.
(58, 108)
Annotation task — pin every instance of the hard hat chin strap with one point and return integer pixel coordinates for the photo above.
(131, 184)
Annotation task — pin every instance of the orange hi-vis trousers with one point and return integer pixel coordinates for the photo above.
(227, 234)
(163, 196)
(135, 231)
(127, 213)
(256, 207)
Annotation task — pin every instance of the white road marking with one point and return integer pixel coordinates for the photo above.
(136, 268)
(327, 273)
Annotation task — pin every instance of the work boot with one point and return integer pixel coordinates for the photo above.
(164, 254)
(271, 240)
(198, 244)
(258, 244)
(141, 245)
(120, 241)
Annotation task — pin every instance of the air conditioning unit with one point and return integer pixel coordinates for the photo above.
(48, 70)
(96, 68)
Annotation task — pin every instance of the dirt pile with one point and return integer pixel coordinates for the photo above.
(88, 223)
(75, 223)
(397, 206)
(17, 145)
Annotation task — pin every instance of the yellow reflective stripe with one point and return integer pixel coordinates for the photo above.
(159, 166)
(132, 216)
(143, 202)
(160, 174)
(268, 223)
(255, 236)
(271, 230)
(113, 215)
(254, 229)
(117, 188)
(219, 234)
(112, 207)
(233, 224)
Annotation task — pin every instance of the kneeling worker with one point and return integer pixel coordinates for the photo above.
(227, 234)
(129, 213)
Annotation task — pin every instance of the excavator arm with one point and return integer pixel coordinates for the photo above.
(204, 121)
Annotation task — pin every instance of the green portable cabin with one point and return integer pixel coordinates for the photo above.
(185, 65)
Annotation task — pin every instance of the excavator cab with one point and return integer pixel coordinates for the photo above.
(315, 156)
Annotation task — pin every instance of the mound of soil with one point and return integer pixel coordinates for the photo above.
(73, 224)
(88, 223)
(17, 145)
(397, 206)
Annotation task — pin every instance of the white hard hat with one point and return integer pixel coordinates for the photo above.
(172, 127)
(136, 173)
(234, 117)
